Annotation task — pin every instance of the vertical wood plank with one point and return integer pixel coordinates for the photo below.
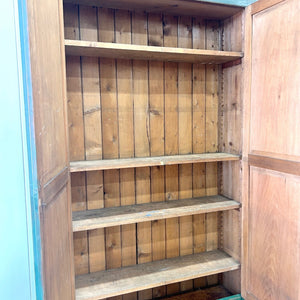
(126, 137)
(141, 140)
(80, 242)
(156, 103)
(230, 140)
(199, 180)
(185, 138)
(76, 137)
(92, 133)
(110, 136)
(212, 89)
(170, 31)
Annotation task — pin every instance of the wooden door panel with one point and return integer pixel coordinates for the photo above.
(47, 61)
(275, 85)
(274, 225)
(56, 247)
(271, 206)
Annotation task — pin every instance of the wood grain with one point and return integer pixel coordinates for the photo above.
(211, 131)
(50, 134)
(208, 10)
(114, 282)
(273, 206)
(124, 51)
(274, 251)
(107, 164)
(216, 292)
(279, 117)
(230, 139)
(100, 218)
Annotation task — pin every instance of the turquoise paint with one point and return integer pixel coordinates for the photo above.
(234, 297)
(242, 3)
(20, 276)
(30, 147)
(15, 229)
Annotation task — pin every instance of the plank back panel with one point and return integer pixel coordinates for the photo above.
(142, 109)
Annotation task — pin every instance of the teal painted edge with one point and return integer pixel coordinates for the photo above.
(31, 148)
(234, 297)
(241, 3)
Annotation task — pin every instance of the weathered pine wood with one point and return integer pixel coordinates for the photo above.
(76, 137)
(276, 164)
(126, 137)
(212, 130)
(272, 211)
(230, 140)
(177, 7)
(109, 102)
(153, 124)
(152, 52)
(246, 92)
(109, 283)
(262, 5)
(199, 170)
(92, 135)
(141, 140)
(52, 151)
(215, 292)
(185, 138)
(156, 108)
(108, 164)
(170, 30)
(107, 217)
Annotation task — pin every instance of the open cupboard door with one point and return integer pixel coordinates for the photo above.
(271, 199)
(49, 93)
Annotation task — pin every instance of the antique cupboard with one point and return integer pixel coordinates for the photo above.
(168, 147)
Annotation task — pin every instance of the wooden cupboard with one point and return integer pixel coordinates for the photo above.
(167, 147)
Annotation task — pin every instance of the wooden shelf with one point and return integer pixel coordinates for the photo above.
(123, 163)
(106, 217)
(176, 7)
(115, 282)
(127, 51)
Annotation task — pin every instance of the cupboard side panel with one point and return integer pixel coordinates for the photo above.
(47, 58)
(230, 140)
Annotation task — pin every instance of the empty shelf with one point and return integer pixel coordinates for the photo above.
(115, 282)
(174, 7)
(128, 51)
(106, 217)
(108, 164)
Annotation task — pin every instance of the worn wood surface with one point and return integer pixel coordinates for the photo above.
(124, 51)
(274, 252)
(154, 123)
(230, 140)
(212, 293)
(51, 139)
(100, 218)
(280, 115)
(212, 88)
(263, 4)
(108, 164)
(272, 220)
(175, 7)
(100, 285)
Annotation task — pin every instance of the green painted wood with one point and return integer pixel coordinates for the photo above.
(234, 297)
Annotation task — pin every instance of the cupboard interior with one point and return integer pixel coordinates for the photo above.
(129, 108)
